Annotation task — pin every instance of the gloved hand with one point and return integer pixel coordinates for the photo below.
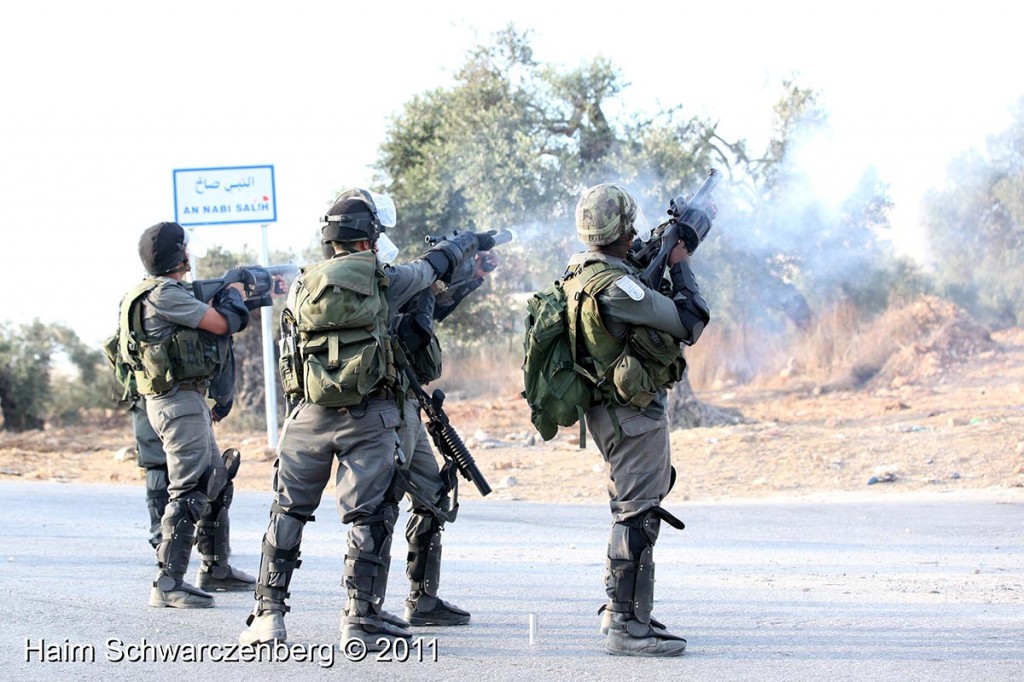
(446, 257)
(228, 302)
(221, 410)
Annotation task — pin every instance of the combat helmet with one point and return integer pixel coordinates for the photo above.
(605, 212)
(163, 248)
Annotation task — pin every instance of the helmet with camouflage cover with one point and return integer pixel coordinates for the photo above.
(605, 212)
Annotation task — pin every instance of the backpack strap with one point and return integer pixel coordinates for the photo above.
(589, 278)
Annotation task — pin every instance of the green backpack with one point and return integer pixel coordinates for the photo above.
(558, 389)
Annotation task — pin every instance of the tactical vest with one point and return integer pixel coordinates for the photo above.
(631, 370)
(336, 349)
(156, 365)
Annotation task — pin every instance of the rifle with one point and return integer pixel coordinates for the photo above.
(690, 222)
(446, 439)
(258, 280)
(485, 240)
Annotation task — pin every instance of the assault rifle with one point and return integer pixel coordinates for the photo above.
(258, 280)
(485, 242)
(689, 221)
(446, 438)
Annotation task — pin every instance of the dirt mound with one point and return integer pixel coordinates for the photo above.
(924, 339)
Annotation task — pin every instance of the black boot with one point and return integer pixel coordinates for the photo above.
(179, 523)
(629, 582)
(366, 571)
(279, 560)
(214, 543)
(423, 607)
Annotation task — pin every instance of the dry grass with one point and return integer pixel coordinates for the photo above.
(842, 348)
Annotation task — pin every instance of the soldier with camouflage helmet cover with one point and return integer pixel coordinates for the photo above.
(631, 337)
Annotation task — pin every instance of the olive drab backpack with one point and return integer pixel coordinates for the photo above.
(560, 383)
(335, 346)
(557, 389)
(572, 362)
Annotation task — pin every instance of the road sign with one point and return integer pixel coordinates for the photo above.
(219, 196)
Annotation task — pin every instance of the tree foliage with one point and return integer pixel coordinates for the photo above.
(511, 143)
(977, 226)
(32, 390)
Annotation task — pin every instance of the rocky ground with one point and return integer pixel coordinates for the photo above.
(942, 411)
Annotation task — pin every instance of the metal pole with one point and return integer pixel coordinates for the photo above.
(192, 260)
(269, 370)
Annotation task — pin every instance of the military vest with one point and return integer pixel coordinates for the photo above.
(336, 349)
(156, 365)
(631, 370)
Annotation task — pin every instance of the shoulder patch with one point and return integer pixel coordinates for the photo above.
(631, 288)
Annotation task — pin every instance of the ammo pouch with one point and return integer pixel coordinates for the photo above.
(426, 361)
(651, 360)
(189, 354)
(156, 365)
(343, 351)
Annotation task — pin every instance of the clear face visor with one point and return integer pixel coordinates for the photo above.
(387, 216)
(386, 249)
(195, 246)
(641, 226)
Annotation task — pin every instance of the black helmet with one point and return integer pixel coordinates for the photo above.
(162, 248)
(349, 219)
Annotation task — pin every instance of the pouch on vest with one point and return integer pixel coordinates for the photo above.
(659, 353)
(352, 367)
(290, 363)
(633, 383)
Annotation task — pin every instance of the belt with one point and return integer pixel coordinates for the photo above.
(198, 388)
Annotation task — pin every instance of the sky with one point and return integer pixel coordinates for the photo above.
(102, 101)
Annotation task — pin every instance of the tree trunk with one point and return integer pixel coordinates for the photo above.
(686, 412)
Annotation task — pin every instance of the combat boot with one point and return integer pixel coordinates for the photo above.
(224, 578)
(423, 607)
(362, 622)
(629, 637)
(213, 539)
(266, 621)
(629, 583)
(178, 528)
(263, 629)
(178, 596)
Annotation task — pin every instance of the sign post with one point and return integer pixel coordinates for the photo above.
(235, 195)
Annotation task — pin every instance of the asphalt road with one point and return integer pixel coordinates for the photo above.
(915, 588)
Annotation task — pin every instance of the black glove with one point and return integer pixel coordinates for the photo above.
(221, 410)
(446, 256)
(228, 302)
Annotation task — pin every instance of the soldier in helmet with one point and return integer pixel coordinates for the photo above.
(430, 492)
(174, 345)
(631, 336)
(213, 534)
(338, 363)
